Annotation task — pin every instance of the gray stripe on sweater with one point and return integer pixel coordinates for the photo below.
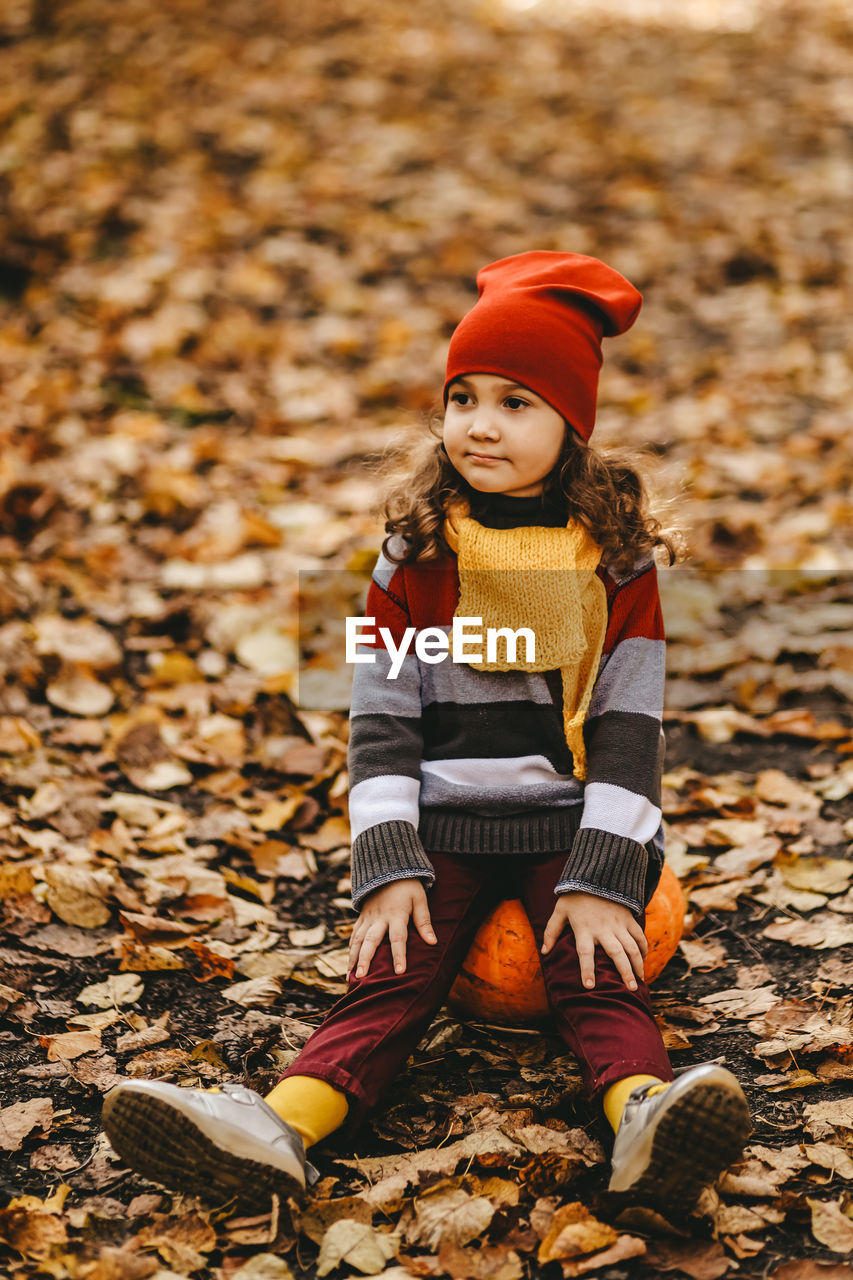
(632, 679)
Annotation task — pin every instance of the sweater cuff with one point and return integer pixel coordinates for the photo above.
(385, 852)
(608, 866)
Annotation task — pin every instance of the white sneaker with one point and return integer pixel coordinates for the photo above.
(214, 1145)
(671, 1144)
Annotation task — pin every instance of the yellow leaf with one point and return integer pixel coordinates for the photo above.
(575, 1231)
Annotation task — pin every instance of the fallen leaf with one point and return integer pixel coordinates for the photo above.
(333, 964)
(319, 1214)
(625, 1247)
(809, 1269)
(357, 1244)
(70, 1044)
(255, 993)
(830, 1225)
(821, 1119)
(449, 1215)
(828, 1156)
(730, 1219)
(307, 937)
(76, 896)
(118, 989)
(489, 1262)
(817, 875)
(17, 736)
(737, 1002)
(575, 1231)
(263, 1266)
(703, 955)
(819, 933)
(54, 1158)
(18, 1121)
(701, 1260)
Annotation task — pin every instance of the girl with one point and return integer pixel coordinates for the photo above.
(477, 779)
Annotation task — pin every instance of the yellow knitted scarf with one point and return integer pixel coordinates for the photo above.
(544, 579)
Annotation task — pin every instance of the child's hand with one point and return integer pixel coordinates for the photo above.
(598, 921)
(389, 909)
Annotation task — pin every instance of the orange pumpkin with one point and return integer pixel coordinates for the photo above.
(501, 978)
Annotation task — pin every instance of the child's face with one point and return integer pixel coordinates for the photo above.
(499, 436)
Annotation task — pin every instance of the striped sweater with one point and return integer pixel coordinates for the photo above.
(450, 758)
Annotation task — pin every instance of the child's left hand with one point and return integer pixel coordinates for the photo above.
(599, 922)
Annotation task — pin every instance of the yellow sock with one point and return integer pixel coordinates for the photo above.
(618, 1093)
(311, 1106)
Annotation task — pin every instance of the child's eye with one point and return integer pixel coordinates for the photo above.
(459, 396)
(515, 402)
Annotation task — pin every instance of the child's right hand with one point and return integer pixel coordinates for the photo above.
(388, 910)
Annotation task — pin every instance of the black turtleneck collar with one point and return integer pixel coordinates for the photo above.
(504, 511)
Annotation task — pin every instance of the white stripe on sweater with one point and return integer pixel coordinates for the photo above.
(624, 813)
(489, 773)
(387, 798)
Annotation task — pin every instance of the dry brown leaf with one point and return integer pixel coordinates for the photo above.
(333, 964)
(823, 1118)
(625, 1247)
(776, 787)
(255, 993)
(740, 1002)
(70, 1044)
(76, 691)
(489, 1262)
(118, 989)
(307, 937)
(819, 933)
(830, 1157)
(449, 1215)
(17, 736)
(19, 1120)
(76, 896)
(263, 1266)
(817, 875)
(54, 1158)
(34, 1231)
(575, 1231)
(831, 1225)
(730, 1219)
(142, 1039)
(181, 1241)
(702, 954)
(809, 1269)
(699, 1259)
(318, 1214)
(357, 1245)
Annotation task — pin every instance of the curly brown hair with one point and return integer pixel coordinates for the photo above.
(605, 490)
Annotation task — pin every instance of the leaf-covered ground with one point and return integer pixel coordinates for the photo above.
(235, 239)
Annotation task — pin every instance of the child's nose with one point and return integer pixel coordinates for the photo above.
(483, 424)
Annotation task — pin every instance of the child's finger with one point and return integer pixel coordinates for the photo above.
(423, 923)
(586, 956)
(635, 956)
(552, 933)
(354, 948)
(616, 951)
(639, 937)
(371, 941)
(397, 938)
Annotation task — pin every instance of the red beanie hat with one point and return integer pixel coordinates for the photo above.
(539, 320)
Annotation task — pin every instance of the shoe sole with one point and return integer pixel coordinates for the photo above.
(699, 1137)
(166, 1146)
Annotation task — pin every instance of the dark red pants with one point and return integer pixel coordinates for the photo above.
(367, 1036)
